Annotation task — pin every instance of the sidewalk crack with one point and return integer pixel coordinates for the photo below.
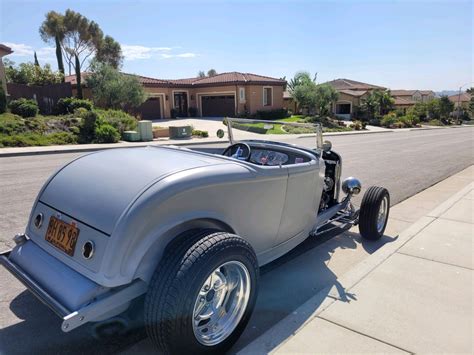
(365, 335)
(435, 261)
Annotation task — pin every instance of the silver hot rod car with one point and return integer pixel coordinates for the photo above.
(186, 230)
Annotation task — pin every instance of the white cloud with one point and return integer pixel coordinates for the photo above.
(24, 50)
(137, 52)
(182, 55)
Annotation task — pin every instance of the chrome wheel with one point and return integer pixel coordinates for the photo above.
(221, 303)
(382, 215)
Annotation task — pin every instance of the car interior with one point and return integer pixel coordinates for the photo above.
(268, 153)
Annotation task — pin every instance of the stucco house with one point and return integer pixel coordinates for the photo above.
(351, 93)
(462, 100)
(407, 98)
(4, 50)
(226, 94)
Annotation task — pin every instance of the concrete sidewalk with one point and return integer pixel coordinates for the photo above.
(414, 295)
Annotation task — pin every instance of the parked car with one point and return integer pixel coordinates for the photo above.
(187, 229)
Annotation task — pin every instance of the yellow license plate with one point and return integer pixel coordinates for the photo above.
(62, 235)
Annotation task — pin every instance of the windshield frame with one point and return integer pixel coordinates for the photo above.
(316, 126)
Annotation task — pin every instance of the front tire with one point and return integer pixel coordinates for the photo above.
(374, 211)
(202, 294)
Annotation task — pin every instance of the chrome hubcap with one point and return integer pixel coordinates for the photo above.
(221, 303)
(382, 216)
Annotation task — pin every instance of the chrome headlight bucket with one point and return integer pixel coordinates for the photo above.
(351, 186)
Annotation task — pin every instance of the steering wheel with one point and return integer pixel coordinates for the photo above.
(240, 151)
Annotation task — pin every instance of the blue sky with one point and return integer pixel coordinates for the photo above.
(398, 44)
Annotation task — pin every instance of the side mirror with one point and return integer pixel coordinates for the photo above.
(220, 133)
(327, 146)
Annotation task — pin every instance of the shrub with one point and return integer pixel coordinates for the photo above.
(357, 125)
(409, 120)
(192, 112)
(118, 119)
(88, 125)
(199, 133)
(3, 99)
(24, 107)
(435, 123)
(389, 119)
(67, 105)
(11, 124)
(106, 133)
(272, 114)
(36, 139)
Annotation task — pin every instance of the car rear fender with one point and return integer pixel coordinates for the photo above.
(150, 260)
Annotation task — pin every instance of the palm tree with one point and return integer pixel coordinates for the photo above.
(371, 104)
(386, 101)
(52, 29)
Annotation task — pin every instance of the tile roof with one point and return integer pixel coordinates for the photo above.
(219, 79)
(356, 93)
(465, 97)
(403, 92)
(398, 101)
(427, 92)
(347, 84)
(6, 48)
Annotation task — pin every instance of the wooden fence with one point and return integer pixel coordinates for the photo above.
(46, 96)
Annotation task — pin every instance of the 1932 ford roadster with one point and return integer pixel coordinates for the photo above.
(189, 230)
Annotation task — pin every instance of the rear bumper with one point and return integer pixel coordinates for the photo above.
(51, 282)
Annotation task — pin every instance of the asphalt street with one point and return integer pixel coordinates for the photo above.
(404, 162)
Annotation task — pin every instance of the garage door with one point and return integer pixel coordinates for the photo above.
(150, 109)
(216, 106)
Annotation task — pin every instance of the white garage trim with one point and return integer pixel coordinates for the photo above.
(216, 93)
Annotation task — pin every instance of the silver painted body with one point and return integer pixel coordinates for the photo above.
(130, 203)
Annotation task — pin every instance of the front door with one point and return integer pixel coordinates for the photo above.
(181, 103)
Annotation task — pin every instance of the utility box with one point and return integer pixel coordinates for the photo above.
(145, 130)
(180, 131)
(131, 136)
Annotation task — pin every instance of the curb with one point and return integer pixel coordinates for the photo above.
(65, 150)
(288, 326)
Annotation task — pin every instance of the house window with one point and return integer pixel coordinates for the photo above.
(242, 94)
(267, 96)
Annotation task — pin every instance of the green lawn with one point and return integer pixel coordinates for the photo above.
(328, 126)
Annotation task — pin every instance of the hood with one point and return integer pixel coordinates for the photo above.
(96, 188)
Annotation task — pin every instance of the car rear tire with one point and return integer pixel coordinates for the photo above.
(202, 293)
(374, 212)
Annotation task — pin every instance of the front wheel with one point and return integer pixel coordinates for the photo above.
(202, 294)
(374, 211)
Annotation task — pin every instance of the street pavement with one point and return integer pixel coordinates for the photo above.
(405, 163)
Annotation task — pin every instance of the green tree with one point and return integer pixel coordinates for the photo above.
(31, 74)
(446, 106)
(433, 110)
(52, 30)
(211, 72)
(82, 38)
(300, 78)
(109, 52)
(201, 74)
(305, 95)
(301, 88)
(371, 105)
(419, 110)
(325, 96)
(471, 106)
(112, 89)
(385, 100)
(470, 91)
